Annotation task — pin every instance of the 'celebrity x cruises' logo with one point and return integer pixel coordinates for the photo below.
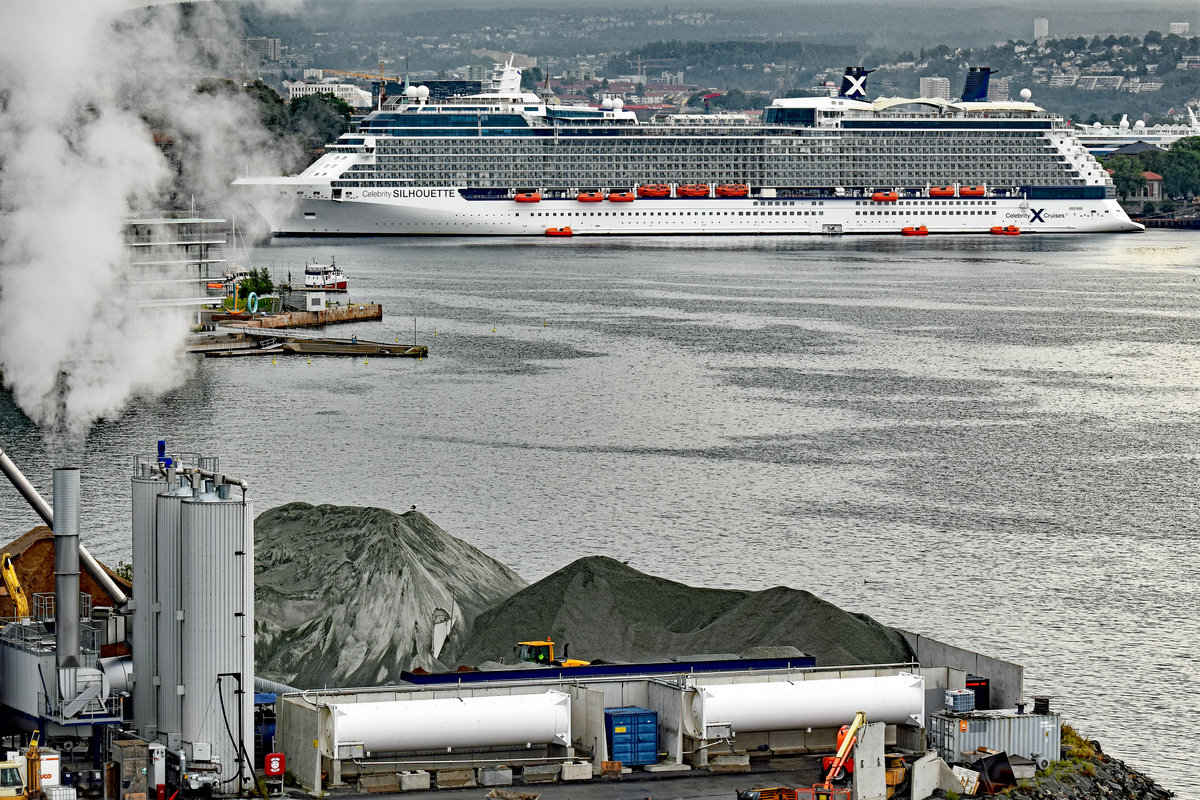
(1037, 214)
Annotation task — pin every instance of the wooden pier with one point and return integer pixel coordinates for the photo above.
(232, 341)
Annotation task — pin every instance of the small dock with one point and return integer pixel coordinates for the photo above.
(233, 341)
(353, 347)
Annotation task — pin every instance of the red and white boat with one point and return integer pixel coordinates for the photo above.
(324, 277)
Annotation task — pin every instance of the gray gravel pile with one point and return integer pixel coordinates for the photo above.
(607, 610)
(349, 596)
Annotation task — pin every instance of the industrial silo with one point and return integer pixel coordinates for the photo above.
(167, 553)
(147, 483)
(217, 645)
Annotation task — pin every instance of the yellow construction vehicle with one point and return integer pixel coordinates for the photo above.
(13, 587)
(542, 652)
(12, 781)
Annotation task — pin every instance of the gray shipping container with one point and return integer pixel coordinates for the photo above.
(1034, 736)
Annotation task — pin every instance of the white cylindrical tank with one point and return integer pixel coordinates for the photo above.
(465, 722)
(145, 580)
(168, 598)
(217, 635)
(818, 703)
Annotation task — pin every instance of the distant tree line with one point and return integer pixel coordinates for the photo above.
(1179, 167)
(314, 120)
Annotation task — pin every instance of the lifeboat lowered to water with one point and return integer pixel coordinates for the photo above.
(885, 197)
(559, 231)
(528, 197)
(692, 190)
(590, 197)
(1006, 230)
(733, 190)
(920, 230)
(620, 197)
(654, 190)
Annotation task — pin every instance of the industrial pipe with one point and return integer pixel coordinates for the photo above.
(22, 485)
(43, 510)
(66, 566)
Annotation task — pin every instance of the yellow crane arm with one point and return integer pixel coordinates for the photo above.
(14, 586)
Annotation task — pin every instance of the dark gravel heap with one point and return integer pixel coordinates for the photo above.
(607, 610)
(347, 596)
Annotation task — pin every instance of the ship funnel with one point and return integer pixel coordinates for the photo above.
(976, 88)
(854, 83)
(66, 566)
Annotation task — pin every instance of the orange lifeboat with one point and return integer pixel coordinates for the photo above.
(971, 191)
(692, 190)
(654, 190)
(885, 197)
(733, 190)
(559, 232)
(590, 197)
(1001, 230)
(918, 231)
(621, 197)
(941, 191)
(528, 197)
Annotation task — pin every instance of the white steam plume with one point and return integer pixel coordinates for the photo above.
(78, 159)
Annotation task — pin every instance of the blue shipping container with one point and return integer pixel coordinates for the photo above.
(632, 735)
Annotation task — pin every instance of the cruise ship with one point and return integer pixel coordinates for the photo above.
(504, 162)
(1103, 140)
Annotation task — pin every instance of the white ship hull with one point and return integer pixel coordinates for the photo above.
(444, 212)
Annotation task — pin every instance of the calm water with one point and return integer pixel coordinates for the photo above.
(989, 441)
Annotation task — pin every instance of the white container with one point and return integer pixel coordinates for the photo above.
(403, 725)
(59, 792)
(817, 703)
(50, 768)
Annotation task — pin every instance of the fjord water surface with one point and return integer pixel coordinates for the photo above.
(991, 441)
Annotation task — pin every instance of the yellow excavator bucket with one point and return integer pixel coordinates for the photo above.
(13, 585)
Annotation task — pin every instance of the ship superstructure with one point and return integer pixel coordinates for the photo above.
(1102, 140)
(505, 162)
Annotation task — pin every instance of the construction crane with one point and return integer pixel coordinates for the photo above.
(836, 765)
(380, 77)
(13, 585)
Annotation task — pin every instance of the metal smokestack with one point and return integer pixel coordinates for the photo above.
(66, 565)
(43, 510)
